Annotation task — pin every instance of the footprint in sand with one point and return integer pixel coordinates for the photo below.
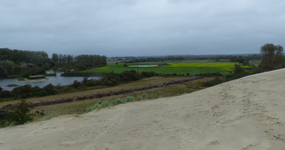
(213, 143)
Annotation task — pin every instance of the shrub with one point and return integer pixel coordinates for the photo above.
(238, 69)
(133, 75)
(143, 96)
(22, 89)
(4, 114)
(6, 93)
(80, 66)
(27, 122)
(91, 82)
(148, 73)
(22, 113)
(76, 84)
(41, 93)
(213, 82)
(139, 97)
(97, 106)
(118, 101)
(106, 104)
(129, 98)
(90, 108)
(110, 83)
(1, 89)
(24, 96)
(36, 89)
(50, 89)
(33, 71)
(46, 117)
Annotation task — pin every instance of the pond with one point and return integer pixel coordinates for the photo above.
(54, 80)
(143, 66)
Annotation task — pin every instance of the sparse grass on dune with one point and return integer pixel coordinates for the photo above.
(95, 104)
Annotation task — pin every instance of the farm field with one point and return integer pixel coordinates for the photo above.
(172, 67)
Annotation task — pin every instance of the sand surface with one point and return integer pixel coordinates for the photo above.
(244, 114)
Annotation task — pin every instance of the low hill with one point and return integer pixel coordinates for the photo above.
(244, 114)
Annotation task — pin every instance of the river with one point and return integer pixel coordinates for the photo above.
(54, 80)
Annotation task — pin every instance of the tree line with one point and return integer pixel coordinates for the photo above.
(234, 58)
(18, 56)
(89, 60)
(17, 62)
(77, 63)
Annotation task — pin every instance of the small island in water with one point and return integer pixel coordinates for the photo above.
(12, 85)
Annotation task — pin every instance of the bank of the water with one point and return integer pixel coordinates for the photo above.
(143, 66)
(54, 80)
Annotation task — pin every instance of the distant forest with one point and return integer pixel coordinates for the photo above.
(244, 59)
(18, 62)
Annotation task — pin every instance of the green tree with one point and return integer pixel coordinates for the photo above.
(272, 57)
(69, 59)
(7, 67)
(22, 112)
(55, 69)
(238, 69)
(55, 58)
(80, 66)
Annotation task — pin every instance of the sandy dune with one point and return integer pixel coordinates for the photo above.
(245, 114)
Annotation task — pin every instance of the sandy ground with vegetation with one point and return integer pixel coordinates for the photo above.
(244, 114)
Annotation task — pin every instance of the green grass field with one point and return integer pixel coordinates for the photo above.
(177, 67)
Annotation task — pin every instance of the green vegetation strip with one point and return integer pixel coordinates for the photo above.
(12, 85)
(170, 68)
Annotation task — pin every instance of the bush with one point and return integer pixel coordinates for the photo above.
(144, 96)
(36, 89)
(96, 106)
(6, 93)
(4, 114)
(106, 104)
(76, 84)
(46, 117)
(110, 83)
(238, 69)
(148, 73)
(33, 71)
(129, 98)
(131, 75)
(80, 66)
(22, 113)
(50, 89)
(20, 90)
(213, 82)
(91, 82)
(89, 109)
(118, 101)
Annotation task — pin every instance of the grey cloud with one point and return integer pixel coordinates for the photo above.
(131, 28)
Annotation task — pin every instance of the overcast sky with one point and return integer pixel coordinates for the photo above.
(141, 27)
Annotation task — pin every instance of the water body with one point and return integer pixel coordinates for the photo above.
(143, 66)
(54, 80)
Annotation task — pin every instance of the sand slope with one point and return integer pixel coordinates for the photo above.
(248, 113)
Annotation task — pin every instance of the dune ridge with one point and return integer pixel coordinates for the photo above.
(244, 114)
